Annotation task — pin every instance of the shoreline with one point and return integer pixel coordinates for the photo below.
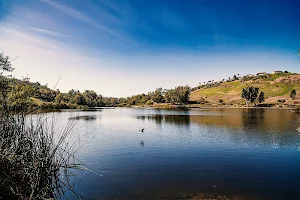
(201, 106)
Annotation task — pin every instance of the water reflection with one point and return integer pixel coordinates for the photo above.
(253, 126)
(84, 117)
(180, 120)
(260, 119)
(224, 151)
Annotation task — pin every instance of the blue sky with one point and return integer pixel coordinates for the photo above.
(121, 48)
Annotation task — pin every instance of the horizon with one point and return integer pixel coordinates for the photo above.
(132, 47)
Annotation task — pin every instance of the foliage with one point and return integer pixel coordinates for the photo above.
(19, 97)
(22, 95)
(150, 102)
(5, 63)
(250, 94)
(261, 97)
(31, 158)
(4, 88)
(293, 94)
(35, 162)
(157, 95)
(179, 95)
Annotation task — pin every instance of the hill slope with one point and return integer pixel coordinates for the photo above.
(276, 87)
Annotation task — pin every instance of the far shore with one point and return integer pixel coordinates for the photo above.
(287, 107)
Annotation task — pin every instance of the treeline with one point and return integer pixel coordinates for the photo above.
(23, 95)
(178, 95)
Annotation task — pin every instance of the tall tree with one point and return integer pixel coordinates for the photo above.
(250, 94)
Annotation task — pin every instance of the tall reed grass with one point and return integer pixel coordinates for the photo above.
(35, 157)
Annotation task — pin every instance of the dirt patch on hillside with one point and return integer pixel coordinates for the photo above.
(288, 79)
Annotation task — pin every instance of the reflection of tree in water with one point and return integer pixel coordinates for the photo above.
(177, 119)
(181, 120)
(253, 118)
(268, 121)
(269, 126)
(84, 117)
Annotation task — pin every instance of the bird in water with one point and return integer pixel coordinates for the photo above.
(141, 143)
(142, 130)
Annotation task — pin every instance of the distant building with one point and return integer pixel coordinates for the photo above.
(249, 75)
(261, 73)
(277, 72)
(26, 79)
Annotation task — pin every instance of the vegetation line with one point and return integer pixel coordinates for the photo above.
(36, 158)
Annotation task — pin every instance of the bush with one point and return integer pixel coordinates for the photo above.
(293, 94)
(150, 102)
(281, 100)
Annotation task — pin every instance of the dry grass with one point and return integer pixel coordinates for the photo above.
(277, 86)
(35, 159)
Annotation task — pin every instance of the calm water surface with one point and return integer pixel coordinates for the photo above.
(225, 151)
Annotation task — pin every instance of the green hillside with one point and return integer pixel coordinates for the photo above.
(277, 87)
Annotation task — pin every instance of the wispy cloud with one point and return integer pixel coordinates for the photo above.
(48, 32)
(67, 10)
(84, 43)
(80, 16)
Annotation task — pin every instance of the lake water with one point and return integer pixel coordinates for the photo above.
(248, 152)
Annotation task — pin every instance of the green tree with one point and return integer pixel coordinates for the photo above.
(5, 66)
(179, 95)
(19, 97)
(150, 102)
(261, 97)
(47, 94)
(250, 94)
(293, 94)
(5, 63)
(91, 98)
(79, 99)
(61, 98)
(157, 95)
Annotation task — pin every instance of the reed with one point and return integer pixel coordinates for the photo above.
(35, 157)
